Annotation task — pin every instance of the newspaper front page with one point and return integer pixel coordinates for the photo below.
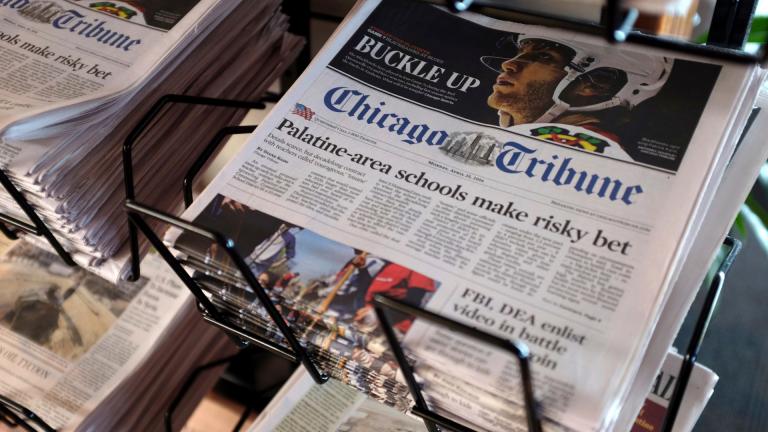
(533, 183)
(57, 53)
(65, 63)
(68, 337)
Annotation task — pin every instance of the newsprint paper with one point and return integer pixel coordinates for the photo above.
(700, 388)
(534, 183)
(58, 54)
(77, 76)
(301, 405)
(68, 337)
(66, 64)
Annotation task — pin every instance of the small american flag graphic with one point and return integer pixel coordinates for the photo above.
(303, 111)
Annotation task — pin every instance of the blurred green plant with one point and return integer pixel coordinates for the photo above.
(758, 33)
(752, 220)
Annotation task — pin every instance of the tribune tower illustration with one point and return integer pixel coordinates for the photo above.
(472, 147)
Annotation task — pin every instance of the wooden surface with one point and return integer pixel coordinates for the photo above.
(217, 413)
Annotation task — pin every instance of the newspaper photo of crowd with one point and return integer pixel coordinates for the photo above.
(321, 286)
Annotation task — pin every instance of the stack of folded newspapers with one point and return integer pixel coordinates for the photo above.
(86, 354)
(78, 76)
(302, 405)
(535, 183)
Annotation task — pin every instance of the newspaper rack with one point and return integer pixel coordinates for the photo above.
(133, 136)
(727, 34)
(520, 351)
(137, 212)
(297, 353)
(733, 246)
(616, 29)
(431, 419)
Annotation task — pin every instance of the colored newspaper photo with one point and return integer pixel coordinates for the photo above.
(637, 107)
(157, 14)
(63, 309)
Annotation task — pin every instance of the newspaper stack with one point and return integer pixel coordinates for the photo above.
(535, 183)
(301, 405)
(77, 78)
(85, 354)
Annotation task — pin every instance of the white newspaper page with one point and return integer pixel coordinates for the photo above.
(697, 394)
(533, 183)
(68, 61)
(55, 53)
(301, 405)
(68, 337)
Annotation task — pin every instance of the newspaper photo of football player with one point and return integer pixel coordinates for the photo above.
(551, 81)
(607, 101)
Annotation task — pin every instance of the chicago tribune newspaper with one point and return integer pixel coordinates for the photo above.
(533, 183)
(64, 64)
(77, 76)
(58, 55)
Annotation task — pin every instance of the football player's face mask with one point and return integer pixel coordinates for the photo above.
(568, 76)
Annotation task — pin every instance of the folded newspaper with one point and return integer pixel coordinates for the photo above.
(76, 78)
(535, 183)
(301, 405)
(84, 354)
(699, 389)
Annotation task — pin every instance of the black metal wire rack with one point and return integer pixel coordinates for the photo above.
(297, 353)
(727, 34)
